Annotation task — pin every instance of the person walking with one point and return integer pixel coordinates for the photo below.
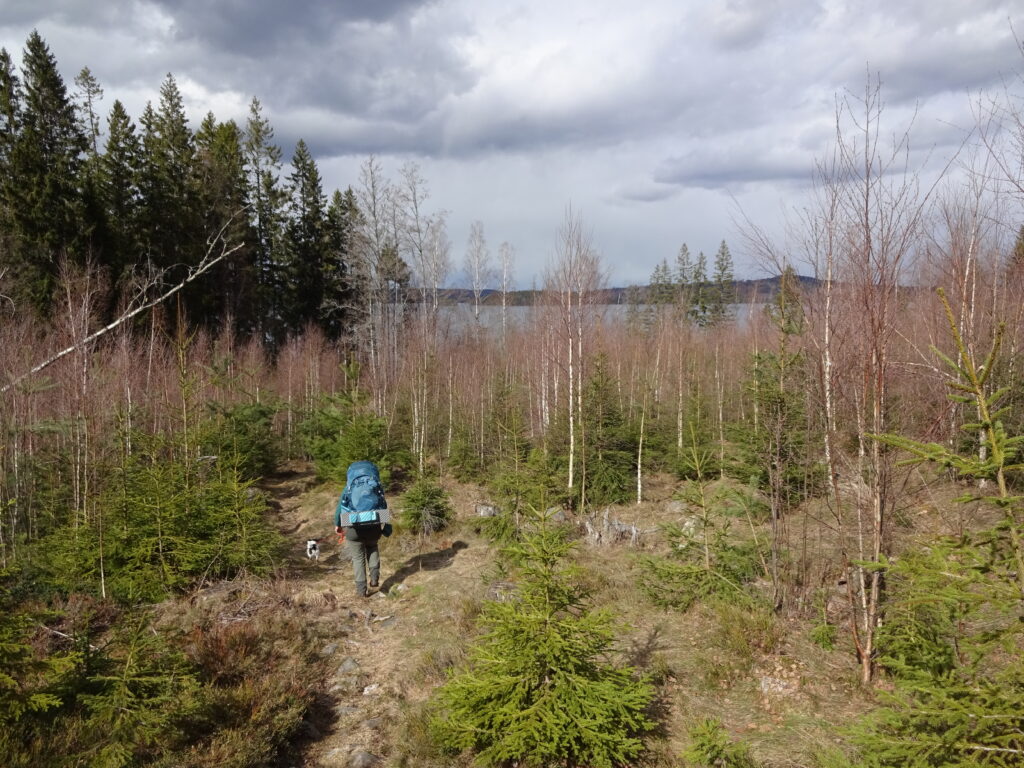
(362, 517)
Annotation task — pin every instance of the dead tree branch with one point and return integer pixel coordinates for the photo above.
(208, 261)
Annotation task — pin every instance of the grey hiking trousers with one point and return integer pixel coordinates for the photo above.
(364, 557)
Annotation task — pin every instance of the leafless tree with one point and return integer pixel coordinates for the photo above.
(507, 257)
(574, 278)
(437, 263)
(477, 264)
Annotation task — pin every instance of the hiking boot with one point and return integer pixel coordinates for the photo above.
(374, 581)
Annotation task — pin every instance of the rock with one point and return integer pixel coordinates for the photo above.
(374, 723)
(486, 510)
(361, 759)
(501, 591)
(328, 650)
(335, 757)
(372, 689)
(344, 710)
(347, 685)
(348, 667)
(777, 686)
(555, 514)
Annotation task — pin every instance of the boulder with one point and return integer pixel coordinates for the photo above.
(555, 514)
(362, 759)
(348, 667)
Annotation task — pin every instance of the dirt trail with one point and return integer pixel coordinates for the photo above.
(376, 656)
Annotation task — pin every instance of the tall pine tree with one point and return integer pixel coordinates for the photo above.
(342, 227)
(41, 189)
(222, 196)
(263, 168)
(723, 288)
(119, 193)
(305, 241)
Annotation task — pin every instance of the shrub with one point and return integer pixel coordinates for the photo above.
(710, 747)
(340, 430)
(243, 434)
(425, 507)
(539, 688)
(164, 524)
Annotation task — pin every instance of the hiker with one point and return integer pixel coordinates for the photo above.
(362, 516)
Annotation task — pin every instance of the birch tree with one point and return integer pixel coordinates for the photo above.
(477, 264)
(574, 278)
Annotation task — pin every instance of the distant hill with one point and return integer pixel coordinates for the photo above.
(746, 291)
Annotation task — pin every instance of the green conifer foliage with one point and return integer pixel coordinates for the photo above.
(24, 678)
(711, 747)
(305, 241)
(723, 289)
(41, 189)
(953, 639)
(342, 223)
(166, 523)
(222, 196)
(700, 292)
(706, 560)
(118, 192)
(540, 688)
(610, 461)
(425, 507)
(342, 429)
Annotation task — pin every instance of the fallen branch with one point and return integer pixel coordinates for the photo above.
(207, 262)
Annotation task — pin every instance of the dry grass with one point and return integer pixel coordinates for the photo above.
(758, 673)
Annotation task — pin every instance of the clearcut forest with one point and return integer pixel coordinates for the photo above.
(769, 523)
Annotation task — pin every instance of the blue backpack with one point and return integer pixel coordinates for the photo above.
(364, 495)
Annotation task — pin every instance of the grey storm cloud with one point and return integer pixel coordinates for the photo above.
(642, 114)
(258, 28)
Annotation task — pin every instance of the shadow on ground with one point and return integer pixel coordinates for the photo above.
(428, 561)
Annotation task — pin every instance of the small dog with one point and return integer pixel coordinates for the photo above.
(313, 549)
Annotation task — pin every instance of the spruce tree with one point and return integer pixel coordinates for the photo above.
(778, 381)
(341, 227)
(119, 193)
(684, 279)
(661, 286)
(222, 197)
(263, 167)
(305, 239)
(953, 636)
(723, 288)
(699, 310)
(610, 459)
(10, 122)
(95, 224)
(41, 191)
(540, 688)
(169, 212)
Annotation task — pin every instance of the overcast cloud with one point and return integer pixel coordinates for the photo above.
(655, 119)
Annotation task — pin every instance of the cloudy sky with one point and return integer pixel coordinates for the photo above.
(659, 121)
